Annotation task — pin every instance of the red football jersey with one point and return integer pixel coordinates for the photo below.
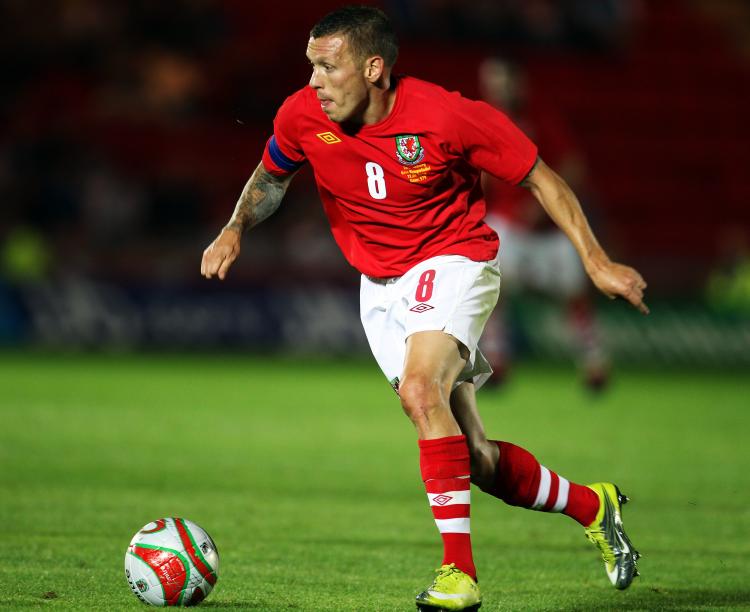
(407, 188)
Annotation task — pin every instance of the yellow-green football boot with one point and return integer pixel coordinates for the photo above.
(451, 590)
(620, 558)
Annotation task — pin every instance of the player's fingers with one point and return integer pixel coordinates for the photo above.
(634, 278)
(224, 267)
(212, 262)
(639, 291)
(207, 269)
(635, 297)
(208, 265)
(203, 264)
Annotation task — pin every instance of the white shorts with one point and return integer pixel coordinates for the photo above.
(546, 262)
(449, 293)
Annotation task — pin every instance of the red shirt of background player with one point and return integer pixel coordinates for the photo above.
(407, 188)
(513, 203)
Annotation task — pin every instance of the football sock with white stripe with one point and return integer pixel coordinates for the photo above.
(522, 481)
(446, 472)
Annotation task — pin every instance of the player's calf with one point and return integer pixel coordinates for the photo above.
(520, 480)
(484, 456)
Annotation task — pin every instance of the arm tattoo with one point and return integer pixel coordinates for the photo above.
(259, 199)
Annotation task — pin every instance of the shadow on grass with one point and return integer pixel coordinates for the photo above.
(250, 605)
(652, 598)
(655, 598)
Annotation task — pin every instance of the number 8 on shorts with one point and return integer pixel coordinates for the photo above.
(425, 286)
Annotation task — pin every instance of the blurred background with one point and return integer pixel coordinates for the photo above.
(129, 130)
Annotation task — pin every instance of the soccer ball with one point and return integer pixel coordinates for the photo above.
(171, 562)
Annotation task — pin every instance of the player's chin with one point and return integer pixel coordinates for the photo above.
(335, 116)
(338, 115)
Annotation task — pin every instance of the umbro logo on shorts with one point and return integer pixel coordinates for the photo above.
(421, 307)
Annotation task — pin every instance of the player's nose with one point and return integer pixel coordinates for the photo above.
(315, 81)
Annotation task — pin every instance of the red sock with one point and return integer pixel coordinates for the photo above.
(522, 481)
(446, 474)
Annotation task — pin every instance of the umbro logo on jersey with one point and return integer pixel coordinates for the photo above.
(328, 137)
(421, 307)
(409, 150)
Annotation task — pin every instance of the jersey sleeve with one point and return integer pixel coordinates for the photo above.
(490, 141)
(283, 154)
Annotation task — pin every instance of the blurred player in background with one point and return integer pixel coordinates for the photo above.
(397, 162)
(536, 255)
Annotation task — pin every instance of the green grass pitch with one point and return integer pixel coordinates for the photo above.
(306, 475)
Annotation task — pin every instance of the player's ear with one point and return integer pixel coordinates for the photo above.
(374, 67)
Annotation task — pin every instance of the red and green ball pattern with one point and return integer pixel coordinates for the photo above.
(172, 563)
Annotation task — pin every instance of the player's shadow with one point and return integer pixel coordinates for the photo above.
(252, 604)
(245, 605)
(655, 598)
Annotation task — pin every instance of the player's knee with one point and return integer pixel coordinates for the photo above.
(421, 396)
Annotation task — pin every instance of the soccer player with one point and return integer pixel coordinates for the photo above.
(536, 256)
(397, 163)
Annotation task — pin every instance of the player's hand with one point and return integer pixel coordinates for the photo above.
(221, 253)
(616, 280)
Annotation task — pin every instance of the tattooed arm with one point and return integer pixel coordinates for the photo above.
(259, 200)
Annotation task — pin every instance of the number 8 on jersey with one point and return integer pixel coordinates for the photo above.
(375, 180)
